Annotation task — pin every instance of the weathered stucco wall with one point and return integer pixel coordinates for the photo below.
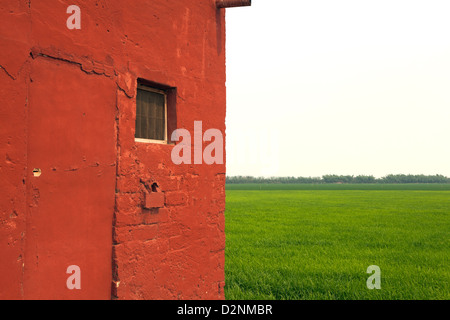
(67, 107)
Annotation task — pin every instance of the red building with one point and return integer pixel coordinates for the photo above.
(89, 97)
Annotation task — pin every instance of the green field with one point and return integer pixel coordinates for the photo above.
(316, 241)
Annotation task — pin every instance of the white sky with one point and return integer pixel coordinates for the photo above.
(338, 87)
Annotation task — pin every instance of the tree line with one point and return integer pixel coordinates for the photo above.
(333, 178)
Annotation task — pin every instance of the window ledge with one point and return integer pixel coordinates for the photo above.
(150, 141)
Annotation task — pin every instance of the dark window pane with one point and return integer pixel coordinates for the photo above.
(138, 116)
(150, 115)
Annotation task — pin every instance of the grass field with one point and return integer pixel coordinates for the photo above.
(316, 241)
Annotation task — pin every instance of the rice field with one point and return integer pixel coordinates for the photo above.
(315, 242)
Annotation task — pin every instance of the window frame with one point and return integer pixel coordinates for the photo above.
(141, 86)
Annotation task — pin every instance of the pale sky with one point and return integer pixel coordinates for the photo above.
(338, 87)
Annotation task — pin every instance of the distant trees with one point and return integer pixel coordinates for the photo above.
(410, 178)
(364, 179)
(333, 178)
(250, 179)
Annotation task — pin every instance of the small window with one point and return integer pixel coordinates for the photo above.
(151, 115)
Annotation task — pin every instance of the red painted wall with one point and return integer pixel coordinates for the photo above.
(67, 107)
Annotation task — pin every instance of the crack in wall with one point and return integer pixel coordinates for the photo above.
(7, 73)
(88, 67)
